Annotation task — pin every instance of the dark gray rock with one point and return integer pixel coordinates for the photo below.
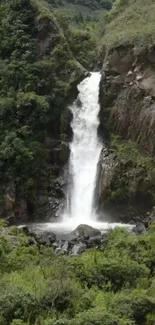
(151, 216)
(52, 238)
(11, 220)
(95, 240)
(78, 249)
(25, 230)
(55, 245)
(65, 247)
(139, 229)
(31, 242)
(44, 240)
(73, 242)
(59, 250)
(86, 231)
(71, 237)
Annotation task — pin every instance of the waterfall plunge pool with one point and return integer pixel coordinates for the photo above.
(62, 228)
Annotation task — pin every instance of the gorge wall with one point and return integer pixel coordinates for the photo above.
(127, 116)
(127, 96)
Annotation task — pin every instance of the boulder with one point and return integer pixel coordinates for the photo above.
(139, 229)
(52, 237)
(78, 249)
(55, 245)
(59, 251)
(65, 247)
(95, 240)
(31, 242)
(25, 230)
(44, 240)
(86, 231)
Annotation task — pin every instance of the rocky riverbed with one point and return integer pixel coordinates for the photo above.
(83, 238)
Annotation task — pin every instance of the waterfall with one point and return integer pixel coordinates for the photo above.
(85, 150)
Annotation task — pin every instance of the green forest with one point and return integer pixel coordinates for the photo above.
(95, 4)
(38, 73)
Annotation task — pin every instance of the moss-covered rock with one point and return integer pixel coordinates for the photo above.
(127, 182)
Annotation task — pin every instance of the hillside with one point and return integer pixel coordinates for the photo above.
(131, 22)
(83, 24)
(37, 73)
(87, 4)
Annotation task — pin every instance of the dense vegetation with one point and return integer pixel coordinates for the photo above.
(115, 286)
(82, 43)
(83, 23)
(131, 22)
(134, 175)
(36, 71)
(91, 4)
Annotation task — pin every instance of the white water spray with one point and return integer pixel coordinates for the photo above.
(85, 151)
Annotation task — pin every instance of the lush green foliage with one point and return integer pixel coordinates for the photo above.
(131, 22)
(82, 43)
(92, 4)
(114, 286)
(83, 23)
(134, 175)
(35, 75)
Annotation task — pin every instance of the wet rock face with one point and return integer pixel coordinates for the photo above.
(51, 197)
(127, 96)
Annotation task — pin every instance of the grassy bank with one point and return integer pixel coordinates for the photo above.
(114, 286)
(131, 22)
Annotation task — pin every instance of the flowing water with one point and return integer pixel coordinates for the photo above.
(85, 150)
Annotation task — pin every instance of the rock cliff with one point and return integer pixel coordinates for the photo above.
(127, 115)
(127, 96)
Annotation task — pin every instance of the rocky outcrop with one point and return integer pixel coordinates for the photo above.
(127, 116)
(127, 96)
(63, 245)
(126, 184)
(80, 240)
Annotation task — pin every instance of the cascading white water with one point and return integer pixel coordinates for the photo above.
(85, 151)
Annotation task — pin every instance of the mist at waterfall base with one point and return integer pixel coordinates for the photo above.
(85, 150)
